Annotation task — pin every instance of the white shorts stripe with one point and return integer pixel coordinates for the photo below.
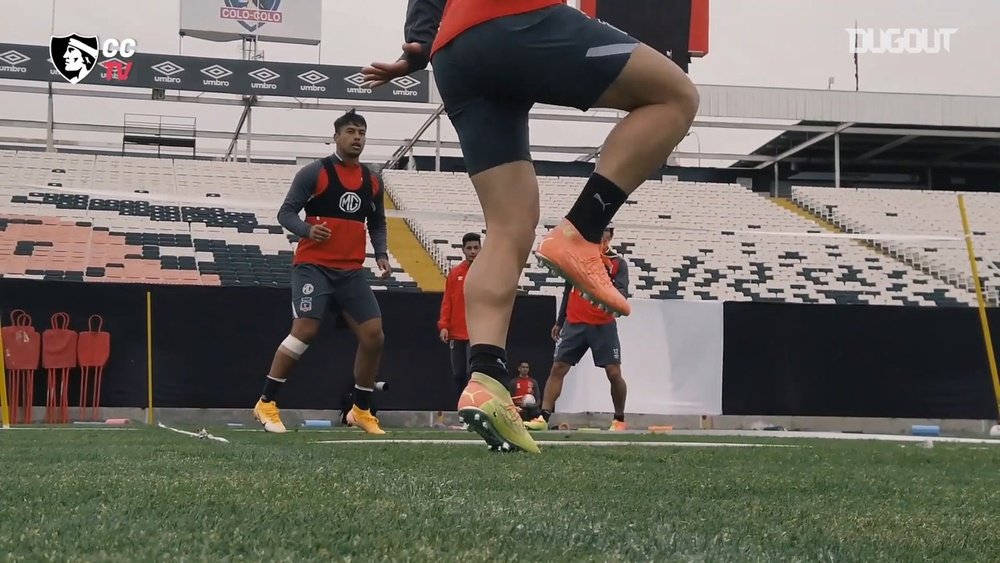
(609, 50)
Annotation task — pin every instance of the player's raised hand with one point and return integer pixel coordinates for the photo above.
(377, 74)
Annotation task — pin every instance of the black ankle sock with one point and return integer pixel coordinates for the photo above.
(271, 388)
(620, 417)
(546, 415)
(595, 207)
(489, 360)
(362, 398)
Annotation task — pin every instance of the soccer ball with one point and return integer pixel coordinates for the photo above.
(528, 400)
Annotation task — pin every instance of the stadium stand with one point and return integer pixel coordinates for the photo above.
(115, 218)
(919, 212)
(109, 218)
(701, 256)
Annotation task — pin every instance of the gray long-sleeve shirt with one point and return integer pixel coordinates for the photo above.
(620, 281)
(422, 20)
(302, 190)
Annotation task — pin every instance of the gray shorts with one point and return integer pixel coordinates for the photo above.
(317, 289)
(602, 340)
(491, 75)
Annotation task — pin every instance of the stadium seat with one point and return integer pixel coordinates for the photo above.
(101, 218)
(704, 241)
(910, 212)
(146, 220)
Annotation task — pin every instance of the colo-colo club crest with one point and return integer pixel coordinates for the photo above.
(74, 56)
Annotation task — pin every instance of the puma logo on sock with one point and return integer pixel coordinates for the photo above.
(601, 201)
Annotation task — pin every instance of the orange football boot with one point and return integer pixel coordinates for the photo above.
(567, 254)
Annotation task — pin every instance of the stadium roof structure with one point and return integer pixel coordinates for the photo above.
(873, 144)
(889, 128)
(827, 114)
(813, 127)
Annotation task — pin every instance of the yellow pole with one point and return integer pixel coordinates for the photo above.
(5, 414)
(983, 320)
(149, 355)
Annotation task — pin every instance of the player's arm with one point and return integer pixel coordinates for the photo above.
(377, 230)
(298, 195)
(423, 17)
(512, 388)
(561, 317)
(444, 319)
(620, 280)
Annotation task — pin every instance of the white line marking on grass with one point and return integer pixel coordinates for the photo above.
(568, 443)
(203, 434)
(835, 436)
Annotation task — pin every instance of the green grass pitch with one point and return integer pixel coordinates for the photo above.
(153, 495)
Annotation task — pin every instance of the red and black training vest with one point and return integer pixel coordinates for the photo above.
(343, 198)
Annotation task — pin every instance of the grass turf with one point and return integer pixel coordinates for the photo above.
(149, 494)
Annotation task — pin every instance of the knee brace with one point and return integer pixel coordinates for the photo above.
(294, 347)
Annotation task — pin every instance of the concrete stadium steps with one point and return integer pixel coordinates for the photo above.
(412, 255)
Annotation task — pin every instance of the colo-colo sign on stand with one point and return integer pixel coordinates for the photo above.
(203, 74)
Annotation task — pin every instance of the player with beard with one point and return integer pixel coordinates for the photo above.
(452, 328)
(451, 323)
(340, 195)
(580, 326)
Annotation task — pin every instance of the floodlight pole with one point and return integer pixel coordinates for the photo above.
(249, 53)
(249, 130)
(50, 143)
(437, 143)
